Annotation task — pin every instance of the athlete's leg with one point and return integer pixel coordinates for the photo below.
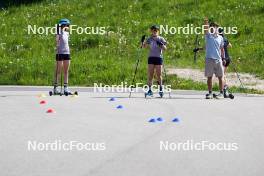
(158, 69)
(150, 74)
(66, 66)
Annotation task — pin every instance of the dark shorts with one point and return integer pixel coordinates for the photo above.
(228, 60)
(62, 57)
(155, 60)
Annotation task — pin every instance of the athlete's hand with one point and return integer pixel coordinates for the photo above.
(195, 50)
(206, 25)
(159, 43)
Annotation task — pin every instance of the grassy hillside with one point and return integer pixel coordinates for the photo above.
(110, 59)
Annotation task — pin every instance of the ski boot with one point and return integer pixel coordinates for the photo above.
(66, 91)
(161, 94)
(149, 94)
(209, 96)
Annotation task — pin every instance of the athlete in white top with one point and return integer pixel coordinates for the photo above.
(62, 55)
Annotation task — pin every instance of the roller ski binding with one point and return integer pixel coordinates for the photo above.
(218, 96)
(55, 91)
(149, 94)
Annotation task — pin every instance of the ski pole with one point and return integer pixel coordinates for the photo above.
(165, 74)
(134, 77)
(61, 78)
(56, 75)
(235, 69)
(196, 43)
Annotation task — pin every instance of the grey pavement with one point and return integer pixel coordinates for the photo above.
(122, 141)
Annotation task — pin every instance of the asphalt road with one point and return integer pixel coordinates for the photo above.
(121, 141)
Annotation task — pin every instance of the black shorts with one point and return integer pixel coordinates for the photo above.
(228, 60)
(155, 60)
(62, 57)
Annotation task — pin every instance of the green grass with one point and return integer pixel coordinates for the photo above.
(110, 59)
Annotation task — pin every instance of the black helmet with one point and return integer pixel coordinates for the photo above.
(213, 24)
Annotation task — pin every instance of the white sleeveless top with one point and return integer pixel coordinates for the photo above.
(63, 43)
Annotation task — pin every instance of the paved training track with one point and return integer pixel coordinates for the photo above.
(132, 143)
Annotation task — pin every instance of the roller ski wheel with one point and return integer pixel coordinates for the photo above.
(231, 96)
(50, 93)
(214, 95)
(67, 93)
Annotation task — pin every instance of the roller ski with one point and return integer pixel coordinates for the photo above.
(66, 92)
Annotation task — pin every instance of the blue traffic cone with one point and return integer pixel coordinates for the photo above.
(112, 99)
(152, 120)
(159, 119)
(175, 120)
(119, 107)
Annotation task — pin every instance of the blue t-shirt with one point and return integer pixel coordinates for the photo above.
(214, 43)
(155, 50)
